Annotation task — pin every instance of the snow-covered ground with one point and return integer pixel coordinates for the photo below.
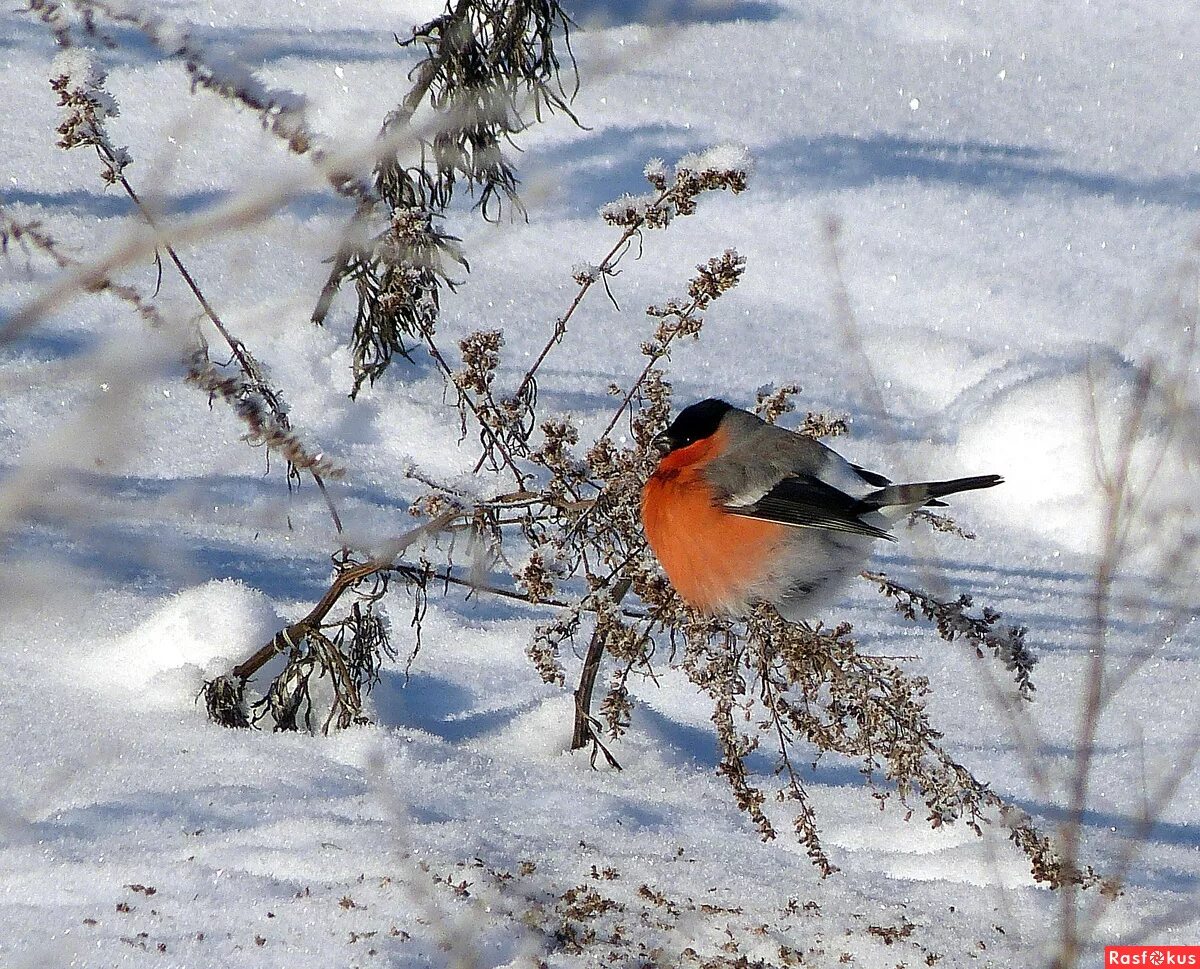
(1017, 187)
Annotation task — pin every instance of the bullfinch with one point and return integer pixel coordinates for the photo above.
(740, 511)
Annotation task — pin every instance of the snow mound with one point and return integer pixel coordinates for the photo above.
(194, 634)
(541, 733)
(1058, 438)
(1041, 437)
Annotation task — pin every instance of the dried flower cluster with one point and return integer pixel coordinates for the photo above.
(940, 523)
(480, 358)
(807, 692)
(816, 693)
(488, 64)
(399, 278)
(771, 403)
(80, 90)
(724, 168)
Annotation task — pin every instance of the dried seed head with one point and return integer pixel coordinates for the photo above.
(79, 83)
(824, 425)
(536, 578)
(480, 358)
(774, 403)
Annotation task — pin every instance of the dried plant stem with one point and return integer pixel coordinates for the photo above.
(246, 361)
(245, 209)
(713, 278)
(244, 397)
(292, 635)
(341, 260)
(31, 233)
(295, 633)
(847, 321)
(953, 621)
(398, 120)
(410, 571)
(1117, 522)
(583, 732)
(484, 428)
(805, 821)
(605, 269)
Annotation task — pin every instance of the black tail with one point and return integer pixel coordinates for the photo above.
(927, 492)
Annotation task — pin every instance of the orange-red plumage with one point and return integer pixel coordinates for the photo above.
(711, 557)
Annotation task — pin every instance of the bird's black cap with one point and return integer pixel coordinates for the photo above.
(694, 423)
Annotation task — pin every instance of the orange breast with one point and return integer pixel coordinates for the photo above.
(712, 558)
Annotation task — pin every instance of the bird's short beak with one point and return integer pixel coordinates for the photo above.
(662, 442)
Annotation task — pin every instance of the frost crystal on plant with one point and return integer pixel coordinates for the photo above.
(79, 82)
(719, 158)
(81, 72)
(657, 173)
(584, 272)
(627, 208)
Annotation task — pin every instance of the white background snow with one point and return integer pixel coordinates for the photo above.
(1017, 186)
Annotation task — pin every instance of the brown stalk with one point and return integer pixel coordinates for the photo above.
(294, 634)
(583, 733)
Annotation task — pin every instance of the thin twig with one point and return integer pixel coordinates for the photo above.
(246, 361)
(606, 267)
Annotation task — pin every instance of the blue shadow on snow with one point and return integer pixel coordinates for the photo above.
(852, 160)
(654, 13)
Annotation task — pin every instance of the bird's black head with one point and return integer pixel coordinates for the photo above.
(693, 424)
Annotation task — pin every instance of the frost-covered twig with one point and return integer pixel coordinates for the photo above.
(79, 83)
(265, 428)
(1007, 643)
(282, 112)
(722, 167)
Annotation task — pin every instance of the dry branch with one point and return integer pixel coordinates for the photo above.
(225, 695)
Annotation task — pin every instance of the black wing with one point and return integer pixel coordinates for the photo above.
(808, 502)
(871, 477)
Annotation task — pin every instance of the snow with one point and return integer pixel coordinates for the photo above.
(719, 158)
(1016, 191)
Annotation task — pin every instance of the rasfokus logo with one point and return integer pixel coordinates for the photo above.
(1154, 956)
